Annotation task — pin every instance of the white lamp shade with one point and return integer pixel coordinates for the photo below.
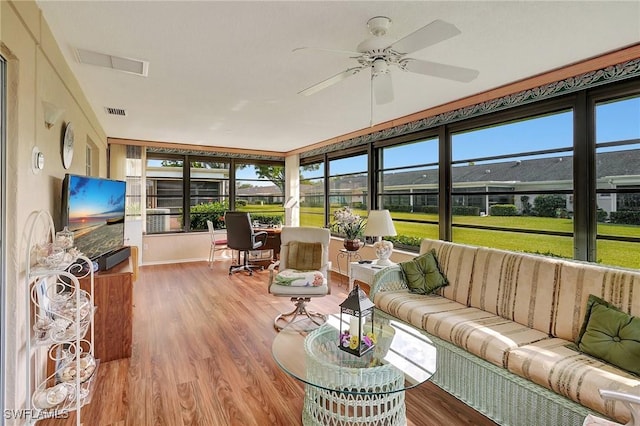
(379, 224)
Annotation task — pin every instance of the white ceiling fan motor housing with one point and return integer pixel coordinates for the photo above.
(379, 66)
(378, 25)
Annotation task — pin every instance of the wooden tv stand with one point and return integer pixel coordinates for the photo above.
(113, 297)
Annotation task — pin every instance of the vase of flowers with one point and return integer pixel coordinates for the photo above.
(348, 223)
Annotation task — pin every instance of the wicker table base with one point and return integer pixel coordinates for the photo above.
(369, 395)
(323, 407)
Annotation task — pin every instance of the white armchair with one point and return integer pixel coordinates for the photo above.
(303, 272)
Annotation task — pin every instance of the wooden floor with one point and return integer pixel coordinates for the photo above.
(202, 356)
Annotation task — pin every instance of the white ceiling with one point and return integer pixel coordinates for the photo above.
(224, 74)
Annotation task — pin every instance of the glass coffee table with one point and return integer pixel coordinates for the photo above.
(344, 389)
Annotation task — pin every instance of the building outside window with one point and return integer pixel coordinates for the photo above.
(259, 190)
(208, 192)
(617, 124)
(348, 186)
(511, 185)
(207, 183)
(407, 182)
(164, 193)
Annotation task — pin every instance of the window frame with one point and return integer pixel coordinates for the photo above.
(582, 148)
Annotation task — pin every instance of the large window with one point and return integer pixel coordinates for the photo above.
(312, 194)
(348, 186)
(543, 178)
(260, 191)
(203, 187)
(164, 189)
(618, 181)
(515, 177)
(408, 187)
(208, 192)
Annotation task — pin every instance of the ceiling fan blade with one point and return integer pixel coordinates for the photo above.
(338, 51)
(382, 88)
(430, 34)
(330, 81)
(435, 69)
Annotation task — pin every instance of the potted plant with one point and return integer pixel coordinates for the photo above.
(348, 223)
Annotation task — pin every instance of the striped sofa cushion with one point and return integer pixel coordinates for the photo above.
(516, 286)
(577, 280)
(483, 334)
(479, 332)
(550, 363)
(413, 308)
(456, 262)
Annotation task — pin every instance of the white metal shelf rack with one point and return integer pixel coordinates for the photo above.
(58, 315)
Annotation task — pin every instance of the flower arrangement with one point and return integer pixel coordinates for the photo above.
(351, 341)
(347, 223)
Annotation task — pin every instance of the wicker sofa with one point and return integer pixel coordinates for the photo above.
(504, 327)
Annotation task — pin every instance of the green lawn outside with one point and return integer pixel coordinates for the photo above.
(260, 208)
(616, 253)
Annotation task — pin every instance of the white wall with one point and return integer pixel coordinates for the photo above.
(36, 72)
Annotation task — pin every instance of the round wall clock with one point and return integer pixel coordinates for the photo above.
(67, 146)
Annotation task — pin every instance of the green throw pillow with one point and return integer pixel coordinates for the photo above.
(423, 274)
(611, 335)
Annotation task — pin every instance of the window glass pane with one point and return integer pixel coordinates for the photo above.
(618, 182)
(260, 191)
(164, 195)
(618, 120)
(208, 193)
(348, 183)
(408, 184)
(547, 132)
(548, 245)
(349, 165)
(501, 180)
(410, 154)
(312, 195)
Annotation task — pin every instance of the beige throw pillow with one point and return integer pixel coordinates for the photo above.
(304, 256)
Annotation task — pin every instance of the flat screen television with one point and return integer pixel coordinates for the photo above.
(93, 208)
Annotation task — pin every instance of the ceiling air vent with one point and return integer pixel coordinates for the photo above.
(118, 63)
(116, 111)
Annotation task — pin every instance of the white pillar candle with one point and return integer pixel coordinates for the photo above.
(354, 326)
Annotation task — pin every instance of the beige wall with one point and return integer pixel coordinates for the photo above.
(174, 248)
(36, 72)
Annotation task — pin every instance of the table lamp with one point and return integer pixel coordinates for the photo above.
(380, 224)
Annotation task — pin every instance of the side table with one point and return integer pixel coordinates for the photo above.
(349, 257)
(364, 272)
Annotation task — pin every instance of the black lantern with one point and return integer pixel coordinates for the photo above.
(358, 338)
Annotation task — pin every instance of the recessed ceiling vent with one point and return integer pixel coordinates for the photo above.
(116, 111)
(118, 63)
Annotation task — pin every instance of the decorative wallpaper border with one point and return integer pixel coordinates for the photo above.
(214, 154)
(610, 74)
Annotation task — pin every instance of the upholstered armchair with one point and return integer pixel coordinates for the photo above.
(303, 272)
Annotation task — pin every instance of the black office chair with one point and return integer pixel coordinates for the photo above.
(242, 237)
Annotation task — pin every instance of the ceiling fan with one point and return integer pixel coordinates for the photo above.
(380, 54)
